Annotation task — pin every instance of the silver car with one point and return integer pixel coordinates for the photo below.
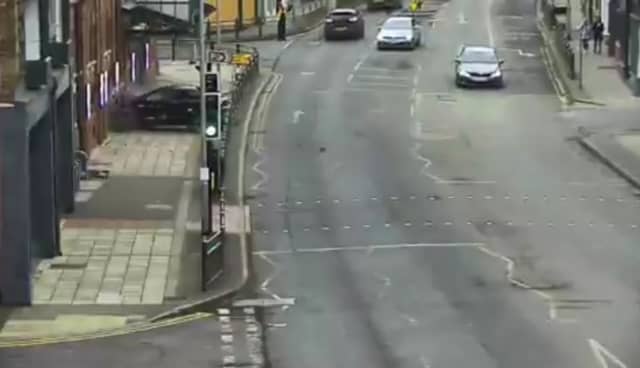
(478, 65)
(399, 33)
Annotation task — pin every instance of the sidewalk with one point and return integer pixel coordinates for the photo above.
(299, 21)
(620, 151)
(601, 81)
(131, 249)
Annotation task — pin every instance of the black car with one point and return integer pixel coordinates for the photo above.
(344, 23)
(174, 105)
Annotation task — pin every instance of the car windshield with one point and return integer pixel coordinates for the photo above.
(397, 24)
(479, 56)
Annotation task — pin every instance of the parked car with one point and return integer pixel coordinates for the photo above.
(399, 33)
(174, 105)
(344, 23)
(383, 4)
(478, 65)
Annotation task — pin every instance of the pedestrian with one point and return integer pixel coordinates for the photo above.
(598, 34)
(281, 9)
(585, 34)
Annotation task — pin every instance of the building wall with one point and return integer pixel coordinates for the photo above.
(9, 49)
(97, 55)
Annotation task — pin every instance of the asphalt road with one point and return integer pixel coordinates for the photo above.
(416, 224)
(420, 225)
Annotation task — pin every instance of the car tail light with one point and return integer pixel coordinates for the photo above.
(353, 19)
(328, 20)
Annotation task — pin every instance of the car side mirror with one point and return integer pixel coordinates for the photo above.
(379, 28)
(457, 60)
(500, 62)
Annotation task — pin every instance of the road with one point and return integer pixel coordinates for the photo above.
(414, 224)
(419, 225)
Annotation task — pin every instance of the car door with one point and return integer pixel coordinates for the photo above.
(187, 107)
(154, 105)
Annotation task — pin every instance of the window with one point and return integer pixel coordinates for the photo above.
(162, 94)
(397, 24)
(478, 56)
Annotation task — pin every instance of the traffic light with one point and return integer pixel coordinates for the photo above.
(211, 82)
(213, 126)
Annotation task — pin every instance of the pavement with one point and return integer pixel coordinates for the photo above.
(398, 221)
(308, 16)
(131, 249)
(599, 82)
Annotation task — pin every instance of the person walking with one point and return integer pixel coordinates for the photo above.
(585, 34)
(598, 35)
(281, 11)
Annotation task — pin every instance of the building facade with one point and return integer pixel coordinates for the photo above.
(623, 26)
(63, 65)
(36, 145)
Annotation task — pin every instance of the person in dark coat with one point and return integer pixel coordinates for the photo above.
(281, 11)
(598, 35)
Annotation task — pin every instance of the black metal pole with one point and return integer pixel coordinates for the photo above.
(627, 31)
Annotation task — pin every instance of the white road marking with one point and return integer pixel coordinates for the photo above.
(264, 302)
(412, 321)
(423, 360)
(382, 77)
(358, 65)
(377, 85)
(548, 298)
(350, 78)
(263, 175)
(369, 248)
(380, 70)
(490, 23)
(603, 355)
(526, 54)
(159, 206)
(307, 73)
(461, 19)
(265, 284)
(286, 45)
(387, 283)
(296, 116)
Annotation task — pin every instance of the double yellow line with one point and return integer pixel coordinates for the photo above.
(133, 328)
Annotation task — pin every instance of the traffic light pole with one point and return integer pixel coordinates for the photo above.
(205, 176)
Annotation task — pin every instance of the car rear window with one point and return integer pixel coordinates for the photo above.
(344, 13)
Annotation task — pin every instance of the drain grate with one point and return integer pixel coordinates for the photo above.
(68, 266)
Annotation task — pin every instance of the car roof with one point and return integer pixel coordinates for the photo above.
(474, 48)
(398, 20)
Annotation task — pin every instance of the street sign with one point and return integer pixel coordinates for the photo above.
(218, 56)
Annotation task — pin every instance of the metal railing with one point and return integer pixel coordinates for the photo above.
(247, 61)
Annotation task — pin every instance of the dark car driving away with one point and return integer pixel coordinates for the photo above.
(344, 23)
(478, 65)
(174, 105)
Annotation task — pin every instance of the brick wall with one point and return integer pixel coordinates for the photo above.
(9, 49)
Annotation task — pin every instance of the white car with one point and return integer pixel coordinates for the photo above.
(399, 33)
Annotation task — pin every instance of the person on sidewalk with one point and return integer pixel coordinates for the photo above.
(585, 34)
(282, 9)
(598, 35)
